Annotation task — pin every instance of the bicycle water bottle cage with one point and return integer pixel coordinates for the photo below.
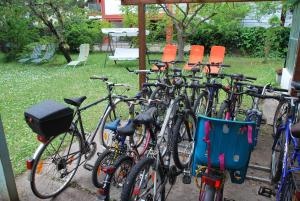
(147, 117)
(113, 125)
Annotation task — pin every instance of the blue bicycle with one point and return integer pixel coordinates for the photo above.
(286, 150)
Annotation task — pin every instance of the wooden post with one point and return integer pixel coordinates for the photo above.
(296, 76)
(142, 42)
(8, 189)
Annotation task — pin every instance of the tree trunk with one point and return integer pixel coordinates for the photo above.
(283, 15)
(63, 47)
(180, 39)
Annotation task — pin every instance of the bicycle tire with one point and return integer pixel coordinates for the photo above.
(276, 166)
(177, 136)
(122, 160)
(287, 192)
(279, 114)
(128, 188)
(97, 167)
(200, 108)
(222, 111)
(38, 166)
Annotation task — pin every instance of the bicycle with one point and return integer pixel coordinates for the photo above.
(63, 141)
(231, 105)
(118, 171)
(285, 150)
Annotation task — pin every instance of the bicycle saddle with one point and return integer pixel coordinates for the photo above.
(113, 125)
(127, 130)
(296, 130)
(296, 85)
(160, 65)
(147, 117)
(195, 69)
(75, 101)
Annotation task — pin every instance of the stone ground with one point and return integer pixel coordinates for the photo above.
(83, 189)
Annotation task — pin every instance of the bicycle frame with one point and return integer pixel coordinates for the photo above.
(286, 129)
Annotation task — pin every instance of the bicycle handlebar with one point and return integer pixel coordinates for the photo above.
(139, 71)
(95, 77)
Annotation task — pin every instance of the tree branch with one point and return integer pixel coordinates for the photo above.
(200, 22)
(169, 13)
(194, 14)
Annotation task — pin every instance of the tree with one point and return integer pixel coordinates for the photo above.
(184, 16)
(53, 14)
(16, 27)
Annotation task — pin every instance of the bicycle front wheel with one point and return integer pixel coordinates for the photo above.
(182, 140)
(143, 181)
(55, 165)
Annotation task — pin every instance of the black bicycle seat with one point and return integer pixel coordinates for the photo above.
(127, 130)
(195, 69)
(296, 130)
(296, 85)
(147, 117)
(75, 101)
(160, 65)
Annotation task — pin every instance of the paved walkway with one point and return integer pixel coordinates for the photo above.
(83, 189)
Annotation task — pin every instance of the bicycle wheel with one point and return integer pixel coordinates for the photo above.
(182, 141)
(141, 181)
(211, 194)
(55, 165)
(288, 190)
(200, 105)
(122, 166)
(104, 160)
(223, 111)
(277, 158)
(161, 94)
(280, 115)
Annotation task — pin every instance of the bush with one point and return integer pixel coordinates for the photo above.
(17, 31)
(84, 31)
(251, 41)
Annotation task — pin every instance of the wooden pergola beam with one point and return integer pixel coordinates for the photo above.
(136, 2)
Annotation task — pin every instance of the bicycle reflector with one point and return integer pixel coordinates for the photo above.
(217, 183)
(42, 139)
(108, 170)
(29, 164)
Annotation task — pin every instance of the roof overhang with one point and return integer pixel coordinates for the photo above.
(136, 2)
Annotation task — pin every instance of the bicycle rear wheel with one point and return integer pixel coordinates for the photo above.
(55, 165)
(211, 194)
(288, 189)
(280, 115)
(141, 181)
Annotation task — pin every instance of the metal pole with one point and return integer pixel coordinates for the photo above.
(8, 188)
(142, 42)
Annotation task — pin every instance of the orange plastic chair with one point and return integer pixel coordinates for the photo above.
(217, 54)
(196, 56)
(169, 54)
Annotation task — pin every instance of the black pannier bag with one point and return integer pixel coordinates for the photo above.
(49, 118)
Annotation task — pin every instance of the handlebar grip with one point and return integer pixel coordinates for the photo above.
(225, 65)
(281, 90)
(95, 77)
(250, 78)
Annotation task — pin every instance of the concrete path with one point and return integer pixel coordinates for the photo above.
(83, 189)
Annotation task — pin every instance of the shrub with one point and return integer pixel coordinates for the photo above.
(84, 31)
(16, 32)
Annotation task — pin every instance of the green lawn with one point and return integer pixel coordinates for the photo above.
(24, 85)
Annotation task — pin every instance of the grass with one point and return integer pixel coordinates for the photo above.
(24, 85)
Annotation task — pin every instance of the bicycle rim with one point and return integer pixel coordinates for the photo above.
(55, 165)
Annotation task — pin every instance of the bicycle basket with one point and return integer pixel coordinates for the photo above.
(223, 143)
(49, 118)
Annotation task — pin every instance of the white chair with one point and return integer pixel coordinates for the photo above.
(84, 51)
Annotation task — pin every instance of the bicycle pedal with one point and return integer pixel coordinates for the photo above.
(265, 191)
(186, 179)
(226, 199)
(88, 167)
